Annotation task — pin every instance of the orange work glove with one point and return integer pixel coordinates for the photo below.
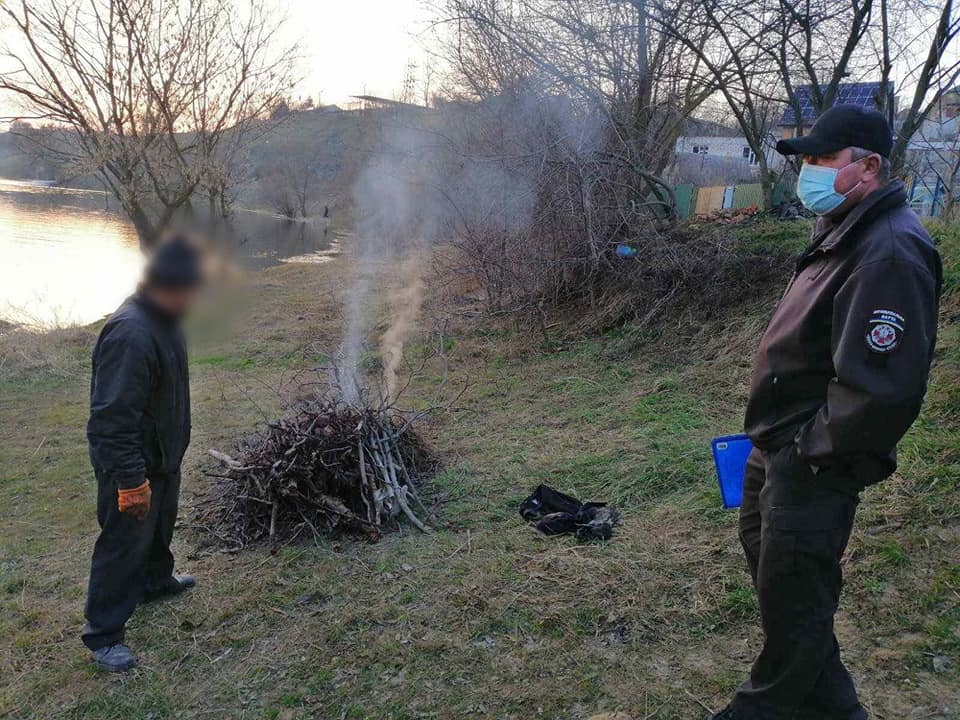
(135, 501)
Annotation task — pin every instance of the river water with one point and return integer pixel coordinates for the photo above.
(66, 258)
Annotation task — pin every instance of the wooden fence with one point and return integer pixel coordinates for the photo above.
(692, 200)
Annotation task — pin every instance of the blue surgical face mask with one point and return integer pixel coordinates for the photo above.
(815, 188)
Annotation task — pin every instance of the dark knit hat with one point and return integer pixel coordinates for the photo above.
(174, 264)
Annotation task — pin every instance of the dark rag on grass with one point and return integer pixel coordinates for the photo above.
(556, 513)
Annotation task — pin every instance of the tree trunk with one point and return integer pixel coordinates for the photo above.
(754, 140)
(147, 231)
(947, 207)
(224, 204)
(766, 185)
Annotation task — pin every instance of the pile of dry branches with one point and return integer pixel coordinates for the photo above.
(329, 467)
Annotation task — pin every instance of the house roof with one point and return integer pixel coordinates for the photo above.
(864, 94)
(698, 127)
(387, 102)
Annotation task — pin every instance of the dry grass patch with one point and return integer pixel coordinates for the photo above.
(485, 618)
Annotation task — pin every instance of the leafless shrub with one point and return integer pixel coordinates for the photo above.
(696, 272)
(564, 116)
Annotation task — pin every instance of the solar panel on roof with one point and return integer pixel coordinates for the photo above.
(864, 94)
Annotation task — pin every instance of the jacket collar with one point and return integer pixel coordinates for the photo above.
(154, 310)
(876, 203)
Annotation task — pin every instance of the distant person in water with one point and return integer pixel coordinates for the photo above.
(138, 431)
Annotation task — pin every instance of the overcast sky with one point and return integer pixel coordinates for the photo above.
(348, 47)
(354, 46)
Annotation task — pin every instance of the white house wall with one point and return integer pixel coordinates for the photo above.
(718, 146)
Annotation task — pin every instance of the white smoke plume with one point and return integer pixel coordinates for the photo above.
(404, 309)
(431, 177)
(393, 222)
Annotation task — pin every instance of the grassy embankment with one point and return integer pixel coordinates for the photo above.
(485, 618)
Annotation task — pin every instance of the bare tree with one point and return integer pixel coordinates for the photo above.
(604, 55)
(816, 45)
(294, 181)
(767, 55)
(936, 74)
(934, 162)
(731, 40)
(824, 42)
(565, 115)
(155, 94)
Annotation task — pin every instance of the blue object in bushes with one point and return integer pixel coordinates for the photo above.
(730, 456)
(625, 251)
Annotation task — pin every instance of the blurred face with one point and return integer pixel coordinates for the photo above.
(176, 302)
(855, 178)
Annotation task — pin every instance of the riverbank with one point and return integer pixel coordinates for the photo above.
(68, 260)
(485, 618)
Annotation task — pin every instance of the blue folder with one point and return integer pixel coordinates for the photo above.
(730, 456)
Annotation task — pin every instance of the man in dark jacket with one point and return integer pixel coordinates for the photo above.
(138, 431)
(838, 378)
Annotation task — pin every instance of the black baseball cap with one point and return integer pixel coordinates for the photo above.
(840, 127)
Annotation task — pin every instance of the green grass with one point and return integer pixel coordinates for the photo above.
(774, 235)
(484, 618)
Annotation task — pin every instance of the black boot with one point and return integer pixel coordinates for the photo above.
(174, 585)
(114, 658)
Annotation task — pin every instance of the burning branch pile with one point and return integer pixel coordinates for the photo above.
(330, 467)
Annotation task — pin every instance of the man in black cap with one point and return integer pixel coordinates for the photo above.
(838, 378)
(138, 431)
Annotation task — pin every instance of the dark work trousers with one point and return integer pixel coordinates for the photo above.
(794, 527)
(129, 558)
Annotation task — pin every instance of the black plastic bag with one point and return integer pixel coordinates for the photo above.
(555, 513)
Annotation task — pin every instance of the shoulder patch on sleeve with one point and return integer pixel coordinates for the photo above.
(884, 331)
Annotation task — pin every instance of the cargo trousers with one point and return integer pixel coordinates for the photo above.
(130, 558)
(794, 528)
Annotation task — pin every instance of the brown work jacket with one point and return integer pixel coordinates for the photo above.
(842, 367)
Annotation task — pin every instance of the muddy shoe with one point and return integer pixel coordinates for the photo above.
(114, 658)
(174, 585)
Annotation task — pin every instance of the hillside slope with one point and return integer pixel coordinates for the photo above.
(325, 148)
